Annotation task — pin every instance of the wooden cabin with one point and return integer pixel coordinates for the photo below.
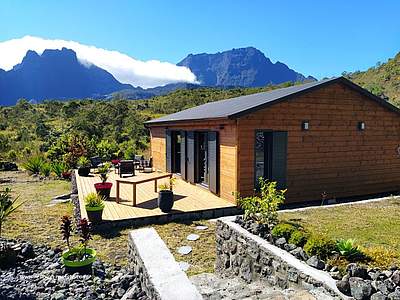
(329, 137)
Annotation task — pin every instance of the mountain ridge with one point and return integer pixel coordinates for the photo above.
(241, 67)
(58, 74)
(55, 74)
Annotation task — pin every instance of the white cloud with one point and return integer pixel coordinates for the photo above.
(124, 68)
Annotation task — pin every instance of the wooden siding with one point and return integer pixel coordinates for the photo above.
(333, 156)
(227, 151)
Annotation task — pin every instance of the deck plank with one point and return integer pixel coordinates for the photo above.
(188, 198)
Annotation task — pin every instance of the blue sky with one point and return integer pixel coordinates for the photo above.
(319, 38)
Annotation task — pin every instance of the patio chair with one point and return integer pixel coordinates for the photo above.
(137, 160)
(96, 161)
(126, 167)
(146, 165)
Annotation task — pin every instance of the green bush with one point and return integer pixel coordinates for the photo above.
(34, 164)
(283, 230)
(106, 150)
(264, 208)
(12, 155)
(298, 237)
(320, 246)
(58, 168)
(130, 153)
(45, 169)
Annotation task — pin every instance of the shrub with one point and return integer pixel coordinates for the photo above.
(106, 149)
(83, 162)
(283, 230)
(58, 168)
(34, 164)
(381, 257)
(347, 249)
(320, 246)
(45, 169)
(263, 209)
(298, 237)
(8, 205)
(94, 200)
(130, 153)
(12, 155)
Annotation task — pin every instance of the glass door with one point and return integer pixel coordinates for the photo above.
(202, 158)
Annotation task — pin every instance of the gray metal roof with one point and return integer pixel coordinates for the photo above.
(236, 107)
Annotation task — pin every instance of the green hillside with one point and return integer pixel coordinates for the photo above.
(89, 127)
(382, 80)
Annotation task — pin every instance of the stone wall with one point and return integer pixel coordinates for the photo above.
(158, 272)
(242, 254)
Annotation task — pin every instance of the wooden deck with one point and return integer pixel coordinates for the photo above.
(188, 199)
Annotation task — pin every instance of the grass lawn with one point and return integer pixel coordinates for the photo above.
(37, 222)
(374, 226)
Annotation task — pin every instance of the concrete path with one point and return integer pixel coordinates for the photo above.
(212, 287)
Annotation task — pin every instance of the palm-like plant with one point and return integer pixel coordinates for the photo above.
(34, 164)
(347, 248)
(7, 205)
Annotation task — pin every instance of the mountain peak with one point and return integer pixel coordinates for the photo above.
(56, 74)
(246, 67)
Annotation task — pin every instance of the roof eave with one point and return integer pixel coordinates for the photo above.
(169, 122)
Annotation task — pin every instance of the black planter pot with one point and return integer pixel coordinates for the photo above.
(165, 200)
(84, 171)
(95, 215)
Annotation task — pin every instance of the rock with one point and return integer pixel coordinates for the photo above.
(184, 250)
(299, 253)
(27, 250)
(201, 227)
(343, 286)
(280, 242)
(184, 265)
(378, 296)
(41, 277)
(8, 166)
(289, 247)
(335, 275)
(381, 286)
(395, 295)
(360, 289)
(192, 237)
(395, 278)
(315, 262)
(334, 269)
(355, 270)
(120, 292)
(58, 296)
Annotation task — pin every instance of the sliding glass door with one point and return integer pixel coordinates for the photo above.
(270, 156)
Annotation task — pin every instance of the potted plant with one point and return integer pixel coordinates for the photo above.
(83, 166)
(94, 204)
(80, 258)
(166, 196)
(103, 188)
